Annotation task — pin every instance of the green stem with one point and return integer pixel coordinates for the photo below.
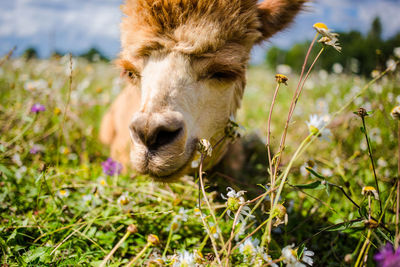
(372, 162)
(213, 242)
(285, 174)
(104, 262)
(27, 127)
(139, 255)
(168, 241)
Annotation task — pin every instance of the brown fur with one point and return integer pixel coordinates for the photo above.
(216, 34)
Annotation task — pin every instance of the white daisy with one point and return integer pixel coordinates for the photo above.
(322, 29)
(87, 198)
(316, 126)
(233, 201)
(263, 257)
(291, 258)
(214, 230)
(391, 64)
(124, 202)
(63, 193)
(326, 172)
(249, 247)
(185, 259)
(396, 52)
(334, 42)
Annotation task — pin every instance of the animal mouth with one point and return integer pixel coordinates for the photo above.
(176, 173)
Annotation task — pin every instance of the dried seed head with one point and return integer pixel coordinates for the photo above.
(205, 147)
(156, 263)
(280, 78)
(348, 258)
(281, 211)
(371, 223)
(362, 112)
(153, 239)
(395, 113)
(370, 191)
(132, 229)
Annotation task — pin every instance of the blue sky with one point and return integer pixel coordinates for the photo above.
(76, 25)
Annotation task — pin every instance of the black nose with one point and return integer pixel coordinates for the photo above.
(156, 130)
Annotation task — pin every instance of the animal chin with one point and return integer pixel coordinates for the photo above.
(161, 171)
(170, 175)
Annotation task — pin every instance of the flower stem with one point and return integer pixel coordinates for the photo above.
(27, 127)
(213, 242)
(397, 236)
(269, 148)
(168, 241)
(120, 242)
(372, 162)
(282, 183)
(358, 262)
(65, 111)
(293, 105)
(139, 255)
(232, 234)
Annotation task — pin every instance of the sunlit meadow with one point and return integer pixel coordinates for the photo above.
(324, 195)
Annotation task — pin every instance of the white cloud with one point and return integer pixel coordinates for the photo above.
(78, 24)
(342, 15)
(388, 11)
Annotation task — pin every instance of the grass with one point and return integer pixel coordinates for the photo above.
(57, 207)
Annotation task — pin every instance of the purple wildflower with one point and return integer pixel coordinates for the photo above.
(35, 149)
(111, 167)
(37, 108)
(387, 257)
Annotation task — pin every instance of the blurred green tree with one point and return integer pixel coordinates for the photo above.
(360, 54)
(93, 54)
(30, 53)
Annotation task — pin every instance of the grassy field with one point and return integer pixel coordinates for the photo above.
(58, 208)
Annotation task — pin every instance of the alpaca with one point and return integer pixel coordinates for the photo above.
(185, 63)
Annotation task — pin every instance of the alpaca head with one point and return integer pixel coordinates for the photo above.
(187, 59)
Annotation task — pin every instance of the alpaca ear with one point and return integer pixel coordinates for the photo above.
(275, 15)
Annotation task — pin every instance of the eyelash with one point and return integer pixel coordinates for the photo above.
(130, 74)
(222, 76)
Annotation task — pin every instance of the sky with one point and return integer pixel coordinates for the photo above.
(77, 25)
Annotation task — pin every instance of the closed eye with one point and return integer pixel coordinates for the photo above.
(132, 75)
(222, 75)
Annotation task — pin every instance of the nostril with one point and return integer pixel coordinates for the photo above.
(137, 133)
(156, 130)
(164, 137)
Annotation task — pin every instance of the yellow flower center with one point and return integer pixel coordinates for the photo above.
(103, 182)
(320, 25)
(369, 189)
(213, 229)
(124, 201)
(57, 111)
(248, 249)
(174, 226)
(233, 204)
(314, 130)
(63, 192)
